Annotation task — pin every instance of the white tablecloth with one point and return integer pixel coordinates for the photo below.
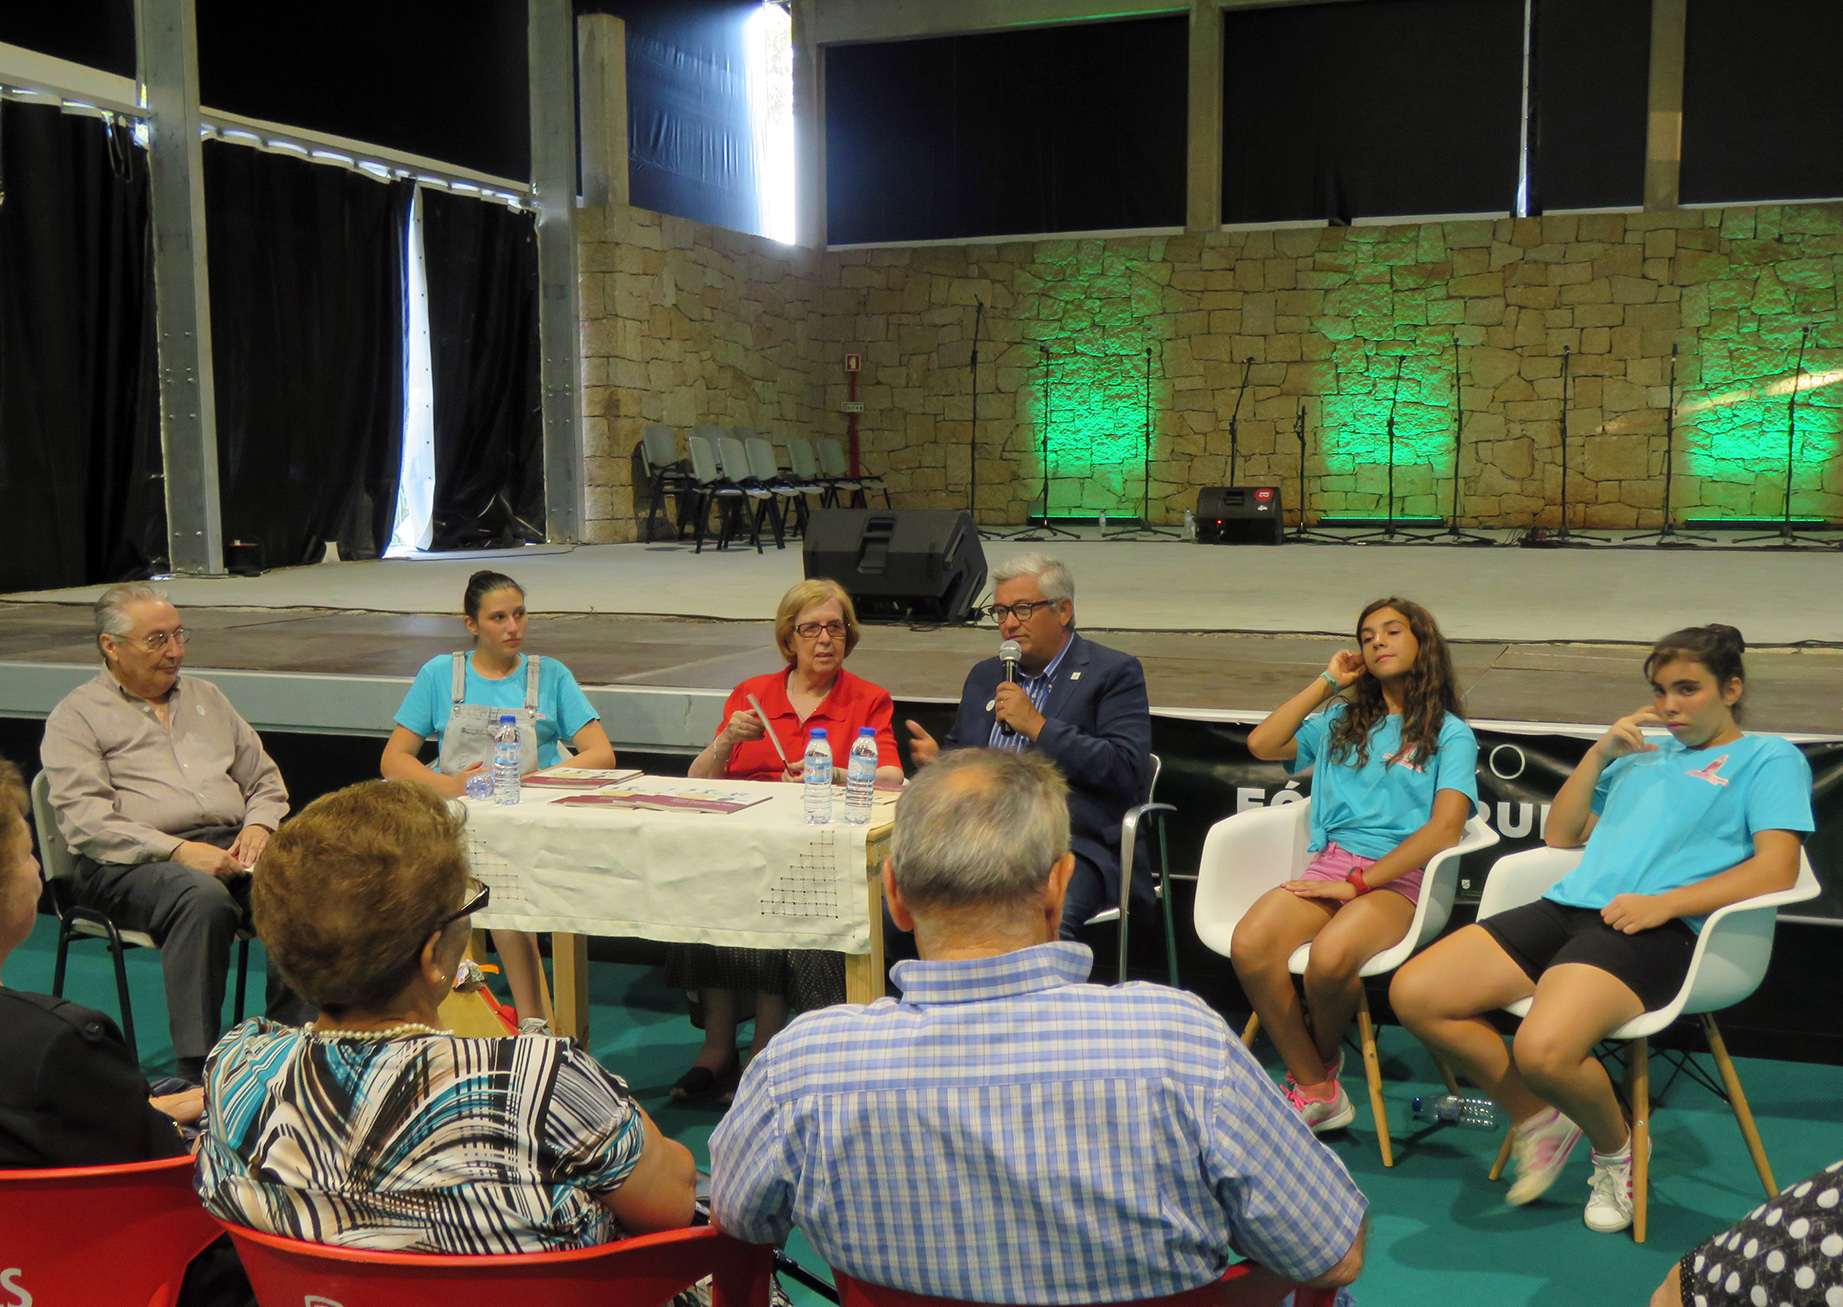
(759, 878)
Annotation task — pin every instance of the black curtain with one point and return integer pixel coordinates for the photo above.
(481, 261)
(1591, 64)
(1073, 127)
(441, 78)
(690, 139)
(1762, 119)
(1371, 109)
(79, 410)
(307, 344)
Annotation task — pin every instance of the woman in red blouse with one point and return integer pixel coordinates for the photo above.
(816, 628)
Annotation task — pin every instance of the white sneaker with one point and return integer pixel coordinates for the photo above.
(1539, 1152)
(1609, 1205)
(1332, 1113)
(534, 1026)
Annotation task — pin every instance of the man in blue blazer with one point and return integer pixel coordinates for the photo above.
(1082, 704)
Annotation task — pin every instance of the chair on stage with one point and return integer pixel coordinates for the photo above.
(102, 1236)
(1732, 952)
(766, 472)
(733, 455)
(1223, 1293)
(1129, 839)
(1252, 852)
(804, 484)
(667, 475)
(712, 487)
(805, 464)
(832, 465)
(77, 921)
(644, 1271)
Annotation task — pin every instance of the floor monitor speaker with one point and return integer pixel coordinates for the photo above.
(919, 563)
(1239, 515)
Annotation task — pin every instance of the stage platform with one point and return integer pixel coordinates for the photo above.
(659, 634)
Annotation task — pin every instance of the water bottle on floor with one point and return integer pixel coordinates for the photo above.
(861, 776)
(505, 760)
(1466, 1110)
(817, 778)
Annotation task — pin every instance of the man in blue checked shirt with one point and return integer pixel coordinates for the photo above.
(1006, 1132)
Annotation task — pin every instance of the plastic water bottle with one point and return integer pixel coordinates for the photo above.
(1190, 525)
(817, 777)
(861, 776)
(1460, 1109)
(505, 760)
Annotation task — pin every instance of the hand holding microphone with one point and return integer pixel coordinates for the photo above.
(1010, 653)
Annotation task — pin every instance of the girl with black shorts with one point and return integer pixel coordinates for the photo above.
(1674, 829)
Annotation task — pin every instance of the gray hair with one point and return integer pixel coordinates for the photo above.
(111, 607)
(1053, 575)
(980, 827)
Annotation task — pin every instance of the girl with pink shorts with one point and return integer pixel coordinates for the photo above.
(1392, 785)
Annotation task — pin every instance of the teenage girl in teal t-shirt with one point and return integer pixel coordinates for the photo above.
(1392, 785)
(495, 676)
(1674, 829)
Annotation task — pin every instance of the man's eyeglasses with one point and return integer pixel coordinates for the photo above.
(159, 639)
(479, 897)
(811, 630)
(1022, 611)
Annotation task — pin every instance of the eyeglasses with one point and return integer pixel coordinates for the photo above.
(159, 639)
(478, 899)
(811, 630)
(1022, 611)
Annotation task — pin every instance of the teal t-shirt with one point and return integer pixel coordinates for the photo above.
(563, 709)
(1368, 810)
(1676, 816)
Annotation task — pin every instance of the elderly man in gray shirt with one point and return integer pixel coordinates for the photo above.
(166, 798)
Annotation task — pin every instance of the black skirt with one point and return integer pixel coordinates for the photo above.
(807, 978)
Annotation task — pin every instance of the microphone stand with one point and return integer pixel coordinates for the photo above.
(1785, 537)
(1667, 536)
(1390, 533)
(1043, 531)
(1145, 527)
(1235, 415)
(1300, 535)
(1564, 534)
(1453, 535)
(972, 442)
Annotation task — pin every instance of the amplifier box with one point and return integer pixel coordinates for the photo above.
(1239, 515)
(923, 564)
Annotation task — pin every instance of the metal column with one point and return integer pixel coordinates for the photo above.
(552, 61)
(188, 406)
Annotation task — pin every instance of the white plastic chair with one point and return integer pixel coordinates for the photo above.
(1161, 888)
(712, 487)
(666, 474)
(1732, 952)
(733, 455)
(1252, 852)
(76, 919)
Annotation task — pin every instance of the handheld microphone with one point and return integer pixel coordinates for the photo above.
(1010, 653)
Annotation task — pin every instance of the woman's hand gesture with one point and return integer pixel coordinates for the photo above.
(1346, 665)
(1627, 736)
(743, 725)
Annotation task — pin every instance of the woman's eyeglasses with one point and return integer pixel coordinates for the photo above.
(811, 630)
(478, 897)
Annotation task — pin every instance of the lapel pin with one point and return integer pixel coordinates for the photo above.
(991, 704)
(1075, 676)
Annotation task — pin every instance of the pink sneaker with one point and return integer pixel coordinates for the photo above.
(1539, 1152)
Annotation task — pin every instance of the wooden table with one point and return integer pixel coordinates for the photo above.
(542, 852)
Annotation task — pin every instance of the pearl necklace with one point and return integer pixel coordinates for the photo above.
(381, 1036)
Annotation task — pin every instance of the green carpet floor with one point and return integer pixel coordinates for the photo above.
(1441, 1233)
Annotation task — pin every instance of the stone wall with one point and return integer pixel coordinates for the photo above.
(1342, 325)
(686, 324)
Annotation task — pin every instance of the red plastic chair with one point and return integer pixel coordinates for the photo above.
(103, 1236)
(1223, 1293)
(644, 1271)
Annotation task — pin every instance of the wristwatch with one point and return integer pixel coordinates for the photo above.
(1355, 878)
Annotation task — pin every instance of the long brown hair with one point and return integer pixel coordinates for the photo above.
(1429, 693)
